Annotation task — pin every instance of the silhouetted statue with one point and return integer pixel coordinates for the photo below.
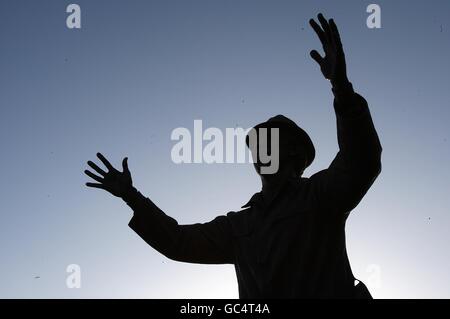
(289, 239)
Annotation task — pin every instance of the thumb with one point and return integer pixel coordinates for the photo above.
(316, 56)
(125, 165)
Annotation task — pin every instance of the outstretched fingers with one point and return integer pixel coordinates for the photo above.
(318, 31)
(93, 176)
(335, 33)
(96, 168)
(325, 27)
(105, 161)
(316, 56)
(125, 165)
(95, 185)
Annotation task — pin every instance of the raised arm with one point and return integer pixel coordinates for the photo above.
(358, 162)
(208, 243)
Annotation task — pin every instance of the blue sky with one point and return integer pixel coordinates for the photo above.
(136, 70)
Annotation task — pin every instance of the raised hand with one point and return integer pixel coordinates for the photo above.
(333, 64)
(113, 181)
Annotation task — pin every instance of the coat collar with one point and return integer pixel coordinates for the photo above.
(257, 197)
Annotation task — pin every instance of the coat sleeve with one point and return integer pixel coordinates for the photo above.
(357, 164)
(206, 243)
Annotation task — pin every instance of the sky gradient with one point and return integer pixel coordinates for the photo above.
(136, 70)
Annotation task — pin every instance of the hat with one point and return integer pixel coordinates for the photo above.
(298, 134)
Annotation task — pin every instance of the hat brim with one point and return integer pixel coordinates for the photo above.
(298, 136)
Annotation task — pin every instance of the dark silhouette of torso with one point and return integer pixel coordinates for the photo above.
(288, 242)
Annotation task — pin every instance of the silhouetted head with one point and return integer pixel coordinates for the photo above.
(280, 148)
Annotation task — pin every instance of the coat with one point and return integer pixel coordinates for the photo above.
(293, 246)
